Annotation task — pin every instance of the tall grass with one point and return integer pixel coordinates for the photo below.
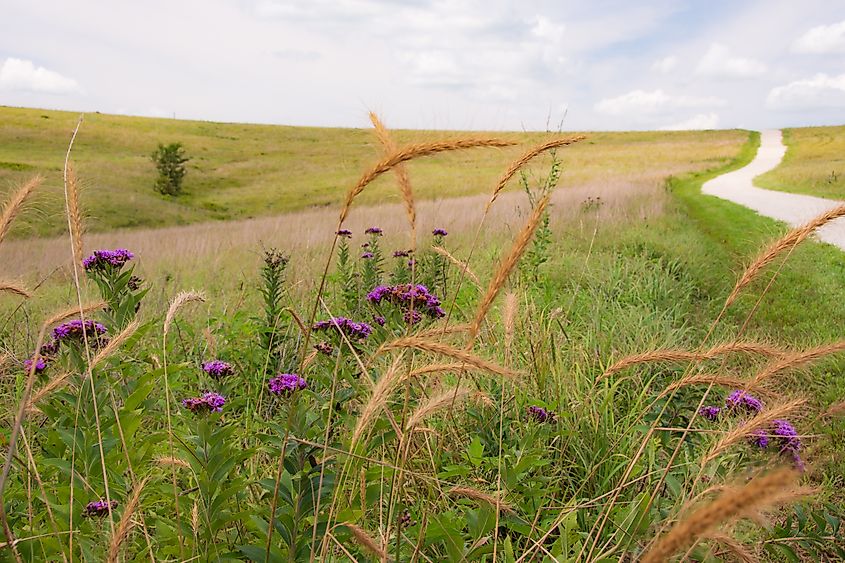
(401, 425)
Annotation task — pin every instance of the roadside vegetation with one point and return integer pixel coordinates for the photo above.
(550, 374)
(814, 163)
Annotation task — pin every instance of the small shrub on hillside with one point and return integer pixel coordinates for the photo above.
(170, 161)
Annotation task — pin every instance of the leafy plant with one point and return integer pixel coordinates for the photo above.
(170, 161)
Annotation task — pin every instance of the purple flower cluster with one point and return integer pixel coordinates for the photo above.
(439, 232)
(379, 320)
(324, 348)
(412, 317)
(710, 413)
(217, 368)
(366, 255)
(402, 253)
(99, 508)
(743, 400)
(374, 231)
(209, 402)
(40, 365)
(785, 437)
(345, 233)
(286, 384)
(540, 414)
(73, 330)
(105, 259)
(416, 297)
(348, 327)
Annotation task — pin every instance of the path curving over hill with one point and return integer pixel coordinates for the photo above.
(793, 209)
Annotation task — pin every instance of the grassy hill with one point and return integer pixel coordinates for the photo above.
(240, 171)
(814, 163)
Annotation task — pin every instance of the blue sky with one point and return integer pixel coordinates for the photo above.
(445, 64)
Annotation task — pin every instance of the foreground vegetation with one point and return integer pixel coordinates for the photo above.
(239, 171)
(504, 412)
(814, 163)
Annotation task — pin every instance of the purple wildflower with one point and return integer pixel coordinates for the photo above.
(365, 245)
(710, 413)
(379, 320)
(40, 365)
(347, 326)
(786, 435)
(324, 348)
(760, 438)
(50, 349)
(286, 384)
(99, 508)
(374, 231)
(415, 297)
(540, 414)
(106, 259)
(73, 330)
(412, 317)
(346, 233)
(740, 399)
(405, 519)
(401, 253)
(367, 255)
(217, 368)
(439, 232)
(209, 402)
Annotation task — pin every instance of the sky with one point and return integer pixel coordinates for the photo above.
(433, 64)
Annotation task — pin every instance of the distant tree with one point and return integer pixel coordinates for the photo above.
(170, 161)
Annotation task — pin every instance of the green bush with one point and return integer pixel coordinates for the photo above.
(170, 161)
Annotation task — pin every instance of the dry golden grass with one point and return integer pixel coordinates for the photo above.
(438, 402)
(761, 492)
(381, 392)
(74, 214)
(55, 383)
(463, 267)
(481, 496)
(181, 299)
(15, 203)
(796, 360)
(403, 179)
(14, 288)
(115, 343)
(126, 523)
(366, 541)
(427, 345)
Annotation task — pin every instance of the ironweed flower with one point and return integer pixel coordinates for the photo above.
(286, 384)
(72, 330)
(743, 400)
(439, 232)
(379, 320)
(209, 402)
(106, 259)
(346, 233)
(348, 327)
(99, 508)
(540, 414)
(367, 255)
(50, 348)
(407, 295)
(412, 317)
(217, 368)
(324, 348)
(760, 438)
(374, 231)
(710, 412)
(40, 365)
(401, 253)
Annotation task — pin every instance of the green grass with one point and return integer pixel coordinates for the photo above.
(240, 170)
(814, 163)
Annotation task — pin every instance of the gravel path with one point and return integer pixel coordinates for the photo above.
(793, 209)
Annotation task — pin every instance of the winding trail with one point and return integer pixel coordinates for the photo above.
(793, 209)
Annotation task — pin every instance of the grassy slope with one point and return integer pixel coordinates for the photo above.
(241, 170)
(805, 306)
(814, 163)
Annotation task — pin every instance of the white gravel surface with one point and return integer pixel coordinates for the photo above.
(793, 209)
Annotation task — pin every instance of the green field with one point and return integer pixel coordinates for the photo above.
(814, 163)
(452, 464)
(240, 171)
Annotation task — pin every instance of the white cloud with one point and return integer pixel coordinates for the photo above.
(665, 65)
(718, 62)
(698, 121)
(820, 91)
(640, 101)
(822, 39)
(19, 74)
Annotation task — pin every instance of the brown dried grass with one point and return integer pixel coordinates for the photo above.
(438, 402)
(787, 242)
(74, 213)
(15, 288)
(730, 545)
(403, 180)
(797, 360)
(15, 204)
(410, 152)
(759, 493)
(181, 299)
(171, 461)
(434, 347)
(381, 392)
(463, 267)
(115, 343)
(481, 496)
(55, 383)
(507, 265)
(125, 524)
(718, 379)
(366, 541)
(527, 157)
